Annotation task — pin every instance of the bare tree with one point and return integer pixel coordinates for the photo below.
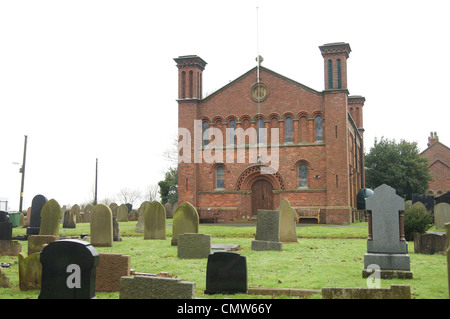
(129, 196)
(151, 193)
(171, 154)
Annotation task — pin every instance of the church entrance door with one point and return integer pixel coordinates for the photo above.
(262, 196)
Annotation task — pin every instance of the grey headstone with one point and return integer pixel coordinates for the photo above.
(194, 245)
(441, 215)
(386, 250)
(267, 231)
(385, 205)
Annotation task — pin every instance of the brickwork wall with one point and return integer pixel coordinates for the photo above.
(334, 177)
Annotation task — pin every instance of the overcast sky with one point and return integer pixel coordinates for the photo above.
(96, 79)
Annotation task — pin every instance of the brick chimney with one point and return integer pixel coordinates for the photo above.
(432, 139)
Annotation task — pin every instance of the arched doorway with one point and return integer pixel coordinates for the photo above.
(262, 195)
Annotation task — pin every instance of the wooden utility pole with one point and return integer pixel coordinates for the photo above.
(22, 170)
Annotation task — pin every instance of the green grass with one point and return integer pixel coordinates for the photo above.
(325, 256)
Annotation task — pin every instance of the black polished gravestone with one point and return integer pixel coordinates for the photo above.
(226, 273)
(35, 215)
(5, 226)
(68, 270)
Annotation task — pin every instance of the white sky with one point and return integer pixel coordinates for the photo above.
(96, 79)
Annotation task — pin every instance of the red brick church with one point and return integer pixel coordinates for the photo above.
(308, 146)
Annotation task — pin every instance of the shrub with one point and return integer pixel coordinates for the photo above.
(417, 220)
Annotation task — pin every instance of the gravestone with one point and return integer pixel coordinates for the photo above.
(168, 208)
(26, 222)
(430, 243)
(30, 271)
(69, 220)
(193, 246)
(444, 198)
(129, 206)
(76, 211)
(5, 226)
(226, 273)
(4, 279)
(8, 247)
(114, 207)
(395, 292)
(155, 221)
(122, 213)
(68, 270)
(109, 270)
(101, 226)
(35, 215)
(288, 222)
(149, 287)
(133, 215)
(50, 218)
(386, 248)
(37, 242)
(267, 231)
(185, 220)
(116, 230)
(441, 215)
(140, 223)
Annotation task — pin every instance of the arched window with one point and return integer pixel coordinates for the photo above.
(205, 133)
(183, 85)
(330, 74)
(338, 66)
(232, 132)
(220, 177)
(318, 128)
(303, 176)
(289, 126)
(191, 84)
(260, 130)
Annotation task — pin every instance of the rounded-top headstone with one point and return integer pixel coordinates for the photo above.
(122, 213)
(155, 221)
(50, 218)
(185, 220)
(101, 226)
(35, 215)
(441, 215)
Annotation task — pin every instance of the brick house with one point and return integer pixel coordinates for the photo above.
(308, 144)
(439, 157)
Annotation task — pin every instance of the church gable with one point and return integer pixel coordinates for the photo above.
(273, 93)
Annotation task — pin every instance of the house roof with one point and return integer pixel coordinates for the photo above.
(445, 160)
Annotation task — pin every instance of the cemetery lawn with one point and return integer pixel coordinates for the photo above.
(325, 256)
